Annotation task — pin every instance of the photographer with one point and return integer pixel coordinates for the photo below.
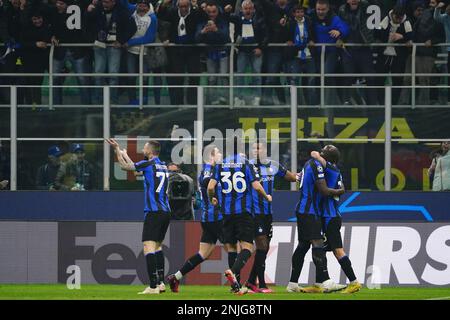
(439, 171)
(181, 193)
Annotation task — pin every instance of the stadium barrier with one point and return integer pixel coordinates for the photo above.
(372, 132)
(382, 254)
(368, 207)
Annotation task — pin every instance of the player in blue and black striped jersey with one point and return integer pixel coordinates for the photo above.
(156, 208)
(237, 177)
(211, 220)
(313, 188)
(262, 210)
(331, 218)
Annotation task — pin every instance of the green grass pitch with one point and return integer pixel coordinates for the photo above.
(191, 292)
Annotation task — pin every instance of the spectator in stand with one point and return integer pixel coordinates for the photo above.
(439, 171)
(147, 26)
(76, 56)
(183, 19)
(430, 32)
(394, 28)
(47, 174)
(277, 15)
(358, 59)
(250, 29)
(329, 29)
(444, 18)
(215, 32)
(15, 14)
(5, 170)
(77, 173)
(36, 39)
(301, 57)
(114, 27)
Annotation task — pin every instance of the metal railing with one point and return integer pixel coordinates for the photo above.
(322, 75)
(199, 130)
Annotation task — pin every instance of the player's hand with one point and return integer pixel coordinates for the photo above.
(228, 8)
(257, 52)
(113, 143)
(441, 5)
(214, 202)
(299, 176)
(315, 154)
(341, 191)
(269, 198)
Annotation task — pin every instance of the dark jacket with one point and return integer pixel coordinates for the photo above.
(292, 52)
(426, 28)
(273, 14)
(58, 28)
(404, 28)
(16, 21)
(259, 29)
(357, 23)
(31, 53)
(194, 18)
(221, 36)
(125, 24)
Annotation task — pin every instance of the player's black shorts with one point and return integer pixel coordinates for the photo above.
(238, 227)
(263, 225)
(309, 227)
(155, 226)
(212, 231)
(332, 231)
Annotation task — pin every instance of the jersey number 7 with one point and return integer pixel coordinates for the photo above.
(162, 176)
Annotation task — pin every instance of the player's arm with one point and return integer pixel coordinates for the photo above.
(212, 191)
(291, 177)
(259, 188)
(321, 185)
(120, 157)
(316, 155)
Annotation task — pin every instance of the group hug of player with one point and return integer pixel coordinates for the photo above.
(237, 211)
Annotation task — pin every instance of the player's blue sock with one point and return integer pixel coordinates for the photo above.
(151, 269)
(160, 265)
(346, 265)
(191, 263)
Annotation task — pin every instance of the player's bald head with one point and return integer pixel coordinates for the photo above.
(331, 153)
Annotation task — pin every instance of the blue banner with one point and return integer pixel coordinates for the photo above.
(128, 206)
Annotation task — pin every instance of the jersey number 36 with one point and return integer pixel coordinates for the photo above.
(236, 182)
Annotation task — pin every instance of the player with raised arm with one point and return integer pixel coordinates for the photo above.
(211, 221)
(156, 208)
(237, 176)
(331, 218)
(268, 169)
(309, 223)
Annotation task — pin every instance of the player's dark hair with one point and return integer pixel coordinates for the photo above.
(155, 147)
(331, 154)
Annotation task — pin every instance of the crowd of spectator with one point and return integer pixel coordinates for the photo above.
(115, 30)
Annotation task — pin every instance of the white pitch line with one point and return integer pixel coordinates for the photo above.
(440, 298)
